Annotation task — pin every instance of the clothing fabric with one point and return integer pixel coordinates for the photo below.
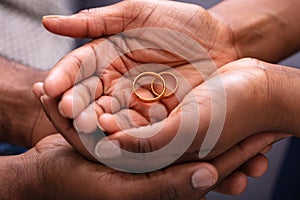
(8, 149)
(23, 38)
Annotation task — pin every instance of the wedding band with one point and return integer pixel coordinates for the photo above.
(158, 96)
(172, 92)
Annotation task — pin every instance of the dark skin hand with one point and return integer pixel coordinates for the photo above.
(235, 180)
(82, 65)
(46, 147)
(22, 120)
(119, 112)
(53, 170)
(58, 84)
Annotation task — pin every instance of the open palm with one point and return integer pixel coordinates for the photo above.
(102, 71)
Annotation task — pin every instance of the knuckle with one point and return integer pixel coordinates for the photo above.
(145, 145)
(244, 150)
(168, 192)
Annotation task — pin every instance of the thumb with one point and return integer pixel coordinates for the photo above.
(38, 89)
(180, 182)
(94, 22)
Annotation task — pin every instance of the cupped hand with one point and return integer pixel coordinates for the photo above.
(188, 19)
(100, 77)
(103, 70)
(161, 32)
(232, 104)
(191, 46)
(53, 170)
(240, 154)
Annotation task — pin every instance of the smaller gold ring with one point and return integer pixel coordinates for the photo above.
(172, 92)
(158, 96)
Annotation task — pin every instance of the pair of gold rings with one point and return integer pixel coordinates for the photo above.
(156, 76)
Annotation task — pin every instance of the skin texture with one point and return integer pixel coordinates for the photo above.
(254, 167)
(118, 110)
(84, 59)
(52, 165)
(63, 76)
(22, 120)
(266, 30)
(34, 175)
(35, 172)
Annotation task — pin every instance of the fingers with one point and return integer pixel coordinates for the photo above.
(38, 89)
(245, 150)
(235, 184)
(255, 167)
(94, 22)
(267, 149)
(125, 119)
(175, 127)
(73, 68)
(227, 163)
(181, 182)
(64, 126)
(144, 139)
(75, 100)
(87, 121)
(130, 118)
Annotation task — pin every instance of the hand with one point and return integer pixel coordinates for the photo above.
(188, 19)
(213, 40)
(248, 71)
(22, 120)
(53, 170)
(64, 76)
(235, 181)
(251, 108)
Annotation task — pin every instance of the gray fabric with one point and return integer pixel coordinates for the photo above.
(24, 39)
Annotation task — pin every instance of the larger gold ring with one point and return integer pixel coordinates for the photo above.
(158, 96)
(172, 92)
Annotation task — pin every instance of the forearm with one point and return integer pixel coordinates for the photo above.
(265, 29)
(14, 182)
(285, 87)
(19, 109)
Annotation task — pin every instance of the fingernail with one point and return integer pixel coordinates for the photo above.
(203, 178)
(108, 149)
(53, 16)
(43, 97)
(100, 127)
(61, 110)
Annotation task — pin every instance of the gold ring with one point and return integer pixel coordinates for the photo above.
(158, 96)
(172, 92)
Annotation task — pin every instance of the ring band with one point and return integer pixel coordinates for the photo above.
(172, 92)
(158, 96)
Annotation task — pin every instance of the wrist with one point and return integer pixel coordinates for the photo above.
(16, 180)
(260, 28)
(284, 92)
(20, 110)
(217, 37)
